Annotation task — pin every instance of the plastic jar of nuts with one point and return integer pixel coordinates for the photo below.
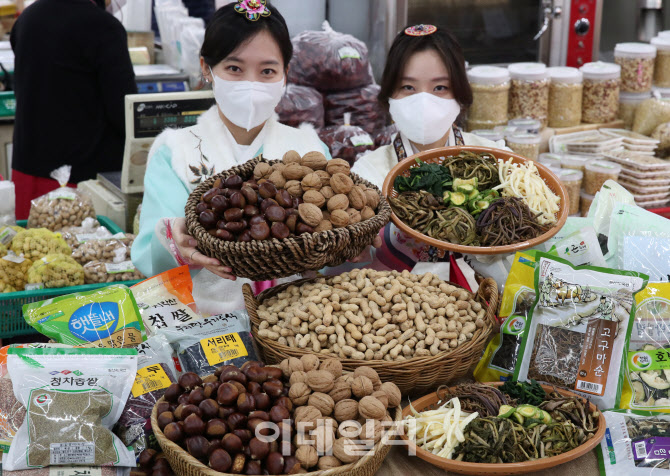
(628, 103)
(637, 66)
(662, 63)
(525, 124)
(565, 97)
(600, 97)
(529, 92)
(489, 134)
(597, 173)
(524, 144)
(490, 97)
(551, 160)
(572, 179)
(575, 162)
(585, 201)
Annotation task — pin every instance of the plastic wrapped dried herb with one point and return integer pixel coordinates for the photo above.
(555, 357)
(72, 397)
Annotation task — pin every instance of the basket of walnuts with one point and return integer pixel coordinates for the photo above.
(305, 416)
(270, 219)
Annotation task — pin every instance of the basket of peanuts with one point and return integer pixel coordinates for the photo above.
(416, 331)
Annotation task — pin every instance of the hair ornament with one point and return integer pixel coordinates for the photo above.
(420, 30)
(252, 9)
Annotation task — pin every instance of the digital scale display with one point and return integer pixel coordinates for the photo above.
(151, 118)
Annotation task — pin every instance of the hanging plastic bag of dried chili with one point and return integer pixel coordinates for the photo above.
(301, 104)
(579, 328)
(362, 103)
(329, 61)
(346, 141)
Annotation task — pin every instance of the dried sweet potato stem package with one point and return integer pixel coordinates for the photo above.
(579, 328)
(72, 397)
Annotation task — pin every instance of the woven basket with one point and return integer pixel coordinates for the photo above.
(183, 464)
(273, 258)
(415, 375)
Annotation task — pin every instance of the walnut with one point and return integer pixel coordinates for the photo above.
(310, 214)
(393, 393)
(324, 437)
(299, 393)
(291, 157)
(349, 429)
(278, 179)
(367, 213)
(338, 202)
(346, 410)
(371, 408)
(328, 422)
(278, 167)
(354, 215)
(328, 462)
(311, 182)
(339, 218)
(285, 368)
(357, 198)
(320, 381)
(309, 362)
(314, 160)
(327, 191)
(325, 225)
(347, 378)
(298, 376)
(338, 166)
(341, 391)
(294, 364)
(382, 397)
(362, 386)
(307, 456)
(372, 430)
(294, 188)
(323, 402)
(345, 450)
(341, 183)
(308, 414)
(370, 373)
(294, 172)
(262, 170)
(314, 197)
(333, 366)
(324, 176)
(372, 198)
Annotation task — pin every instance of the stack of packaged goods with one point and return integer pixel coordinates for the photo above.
(647, 178)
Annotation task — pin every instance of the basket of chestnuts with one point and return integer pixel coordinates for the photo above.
(271, 219)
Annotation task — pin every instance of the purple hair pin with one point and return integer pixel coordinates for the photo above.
(420, 30)
(253, 9)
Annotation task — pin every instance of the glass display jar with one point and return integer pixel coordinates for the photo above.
(600, 97)
(628, 104)
(637, 66)
(490, 97)
(565, 96)
(529, 91)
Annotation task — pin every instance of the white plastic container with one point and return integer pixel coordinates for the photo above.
(572, 179)
(526, 124)
(662, 63)
(628, 103)
(575, 162)
(637, 66)
(551, 160)
(598, 172)
(524, 144)
(565, 96)
(529, 92)
(489, 134)
(600, 99)
(490, 97)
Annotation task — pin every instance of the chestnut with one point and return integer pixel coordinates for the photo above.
(274, 372)
(291, 465)
(207, 219)
(267, 203)
(225, 412)
(193, 425)
(238, 464)
(237, 200)
(214, 445)
(246, 403)
(190, 380)
(183, 399)
(260, 231)
(147, 457)
(237, 420)
(164, 419)
(224, 235)
(291, 222)
(220, 204)
(173, 433)
(256, 373)
(284, 198)
(189, 410)
(232, 443)
(279, 413)
(245, 236)
(267, 190)
(301, 228)
(196, 396)
(209, 409)
(275, 213)
(240, 388)
(254, 388)
(285, 429)
(216, 428)
(210, 388)
(256, 219)
(258, 449)
(222, 369)
(253, 423)
(233, 214)
(251, 211)
(235, 227)
(227, 394)
(263, 401)
(285, 402)
(161, 464)
(220, 460)
(233, 375)
(209, 378)
(249, 195)
(210, 194)
(201, 207)
(280, 231)
(242, 434)
(259, 414)
(274, 388)
(275, 463)
(253, 467)
(234, 181)
(227, 192)
(197, 446)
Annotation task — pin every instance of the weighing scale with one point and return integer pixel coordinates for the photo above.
(147, 115)
(160, 78)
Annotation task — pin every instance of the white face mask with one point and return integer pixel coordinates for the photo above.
(247, 104)
(423, 117)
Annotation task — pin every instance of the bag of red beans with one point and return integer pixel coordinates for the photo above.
(299, 105)
(362, 103)
(346, 141)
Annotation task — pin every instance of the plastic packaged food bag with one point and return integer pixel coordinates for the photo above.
(105, 317)
(13, 272)
(385, 136)
(7, 234)
(73, 397)
(329, 61)
(301, 104)
(99, 272)
(39, 242)
(578, 328)
(650, 114)
(90, 229)
(55, 271)
(581, 248)
(106, 250)
(662, 134)
(72, 471)
(63, 207)
(501, 353)
(155, 373)
(166, 300)
(206, 344)
(636, 443)
(362, 104)
(346, 141)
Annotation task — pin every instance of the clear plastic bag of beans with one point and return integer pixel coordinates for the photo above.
(301, 104)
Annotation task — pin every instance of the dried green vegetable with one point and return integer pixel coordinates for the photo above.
(474, 397)
(507, 221)
(531, 392)
(467, 165)
(432, 178)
